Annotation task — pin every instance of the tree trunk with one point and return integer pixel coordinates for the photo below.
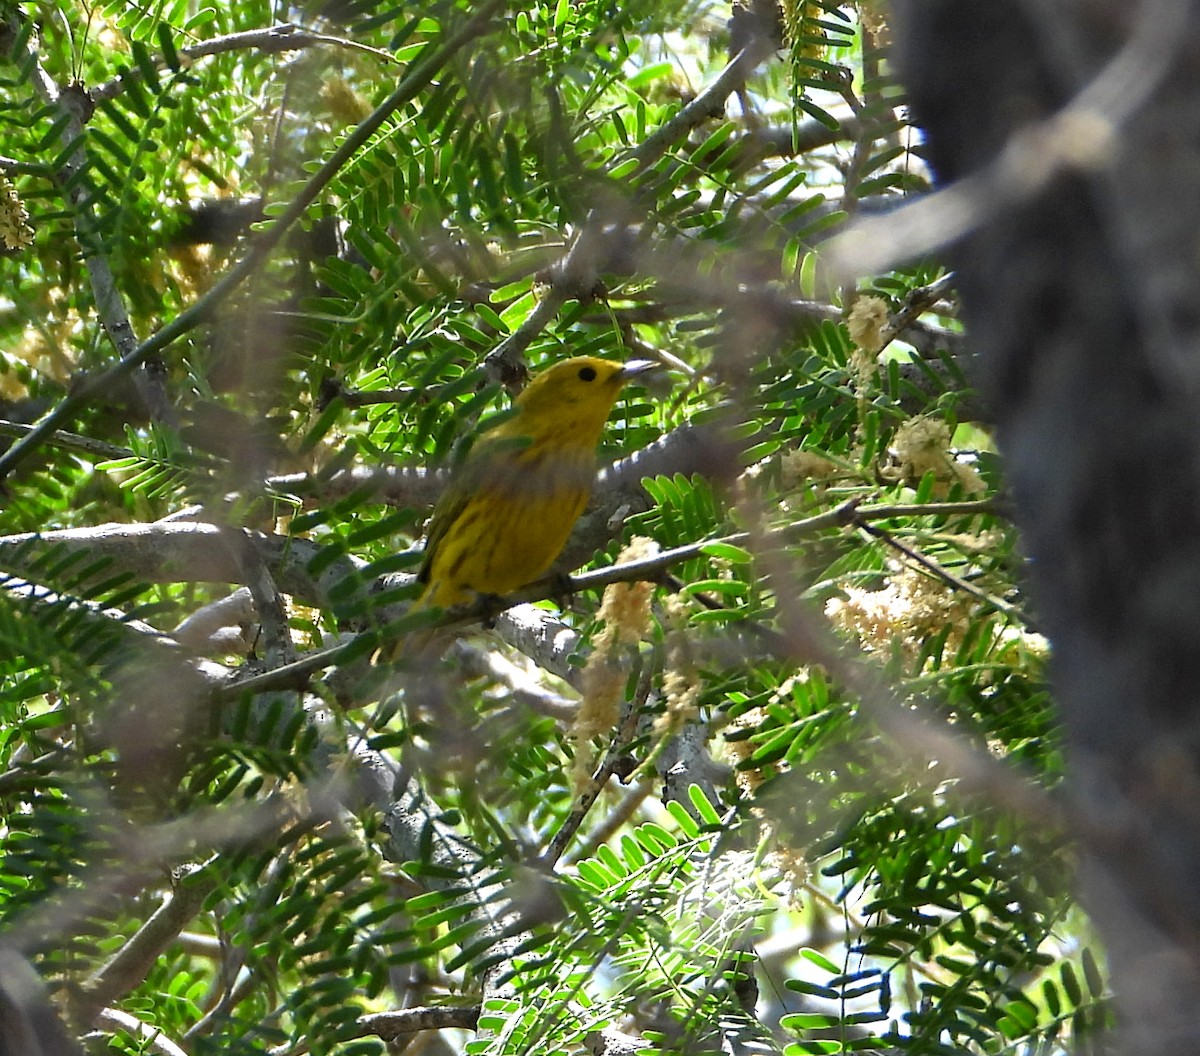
(1080, 275)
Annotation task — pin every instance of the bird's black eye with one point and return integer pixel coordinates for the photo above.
(587, 373)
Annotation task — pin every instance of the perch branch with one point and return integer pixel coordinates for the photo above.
(295, 675)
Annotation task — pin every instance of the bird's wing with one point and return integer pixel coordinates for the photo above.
(487, 463)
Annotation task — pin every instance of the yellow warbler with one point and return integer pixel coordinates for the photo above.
(512, 502)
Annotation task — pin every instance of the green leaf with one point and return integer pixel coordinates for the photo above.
(654, 71)
(706, 811)
(819, 959)
(728, 552)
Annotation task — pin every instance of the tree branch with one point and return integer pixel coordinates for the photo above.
(414, 832)
(710, 103)
(787, 141)
(270, 41)
(601, 238)
(1029, 161)
(847, 513)
(84, 445)
(150, 1039)
(128, 967)
(24, 168)
(396, 485)
(139, 636)
(186, 552)
(209, 628)
(110, 306)
(399, 1023)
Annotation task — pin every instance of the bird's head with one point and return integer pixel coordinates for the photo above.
(574, 398)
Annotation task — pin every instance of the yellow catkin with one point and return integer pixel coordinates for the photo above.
(737, 751)
(15, 232)
(681, 681)
(11, 386)
(922, 445)
(625, 607)
(909, 609)
(866, 322)
(800, 467)
(599, 711)
(625, 615)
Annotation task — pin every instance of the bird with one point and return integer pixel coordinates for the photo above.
(511, 503)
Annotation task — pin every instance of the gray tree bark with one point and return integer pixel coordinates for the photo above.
(1073, 127)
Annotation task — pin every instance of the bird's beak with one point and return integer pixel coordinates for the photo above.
(636, 367)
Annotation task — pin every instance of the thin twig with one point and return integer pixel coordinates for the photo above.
(268, 603)
(578, 272)
(855, 167)
(69, 441)
(269, 41)
(708, 104)
(948, 577)
(633, 799)
(790, 140)
(844, 514)
(369, 397)
(129, 966)
(504, 361)
(918, 301)
(23, 168)
(233, 979)
(622, 737)
(150, 1039)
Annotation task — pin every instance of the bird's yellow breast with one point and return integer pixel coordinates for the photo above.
(509, 531)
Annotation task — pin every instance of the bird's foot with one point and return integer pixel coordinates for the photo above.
(491, 605)
(562, 590)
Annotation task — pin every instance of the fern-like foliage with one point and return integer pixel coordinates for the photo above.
(686, 817)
